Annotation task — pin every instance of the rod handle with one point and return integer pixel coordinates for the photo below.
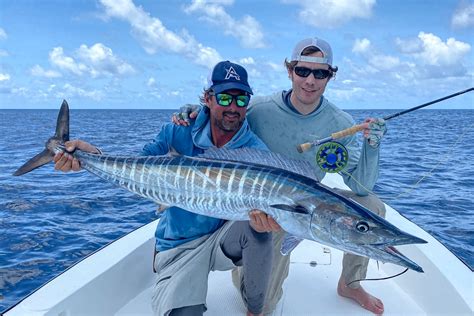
(304, 147)
(349, 131)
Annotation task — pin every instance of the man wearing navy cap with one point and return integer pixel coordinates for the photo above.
(188, 245)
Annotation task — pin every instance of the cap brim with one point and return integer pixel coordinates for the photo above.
(231, 86)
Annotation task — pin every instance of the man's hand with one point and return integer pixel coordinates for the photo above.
(263, 223)
(374, 131)
(185, 114)
(66, 162)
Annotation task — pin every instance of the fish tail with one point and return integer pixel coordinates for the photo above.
(60, 137)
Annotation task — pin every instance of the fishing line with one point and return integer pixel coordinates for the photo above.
(378, 279)
(442, 160)
(407, 191)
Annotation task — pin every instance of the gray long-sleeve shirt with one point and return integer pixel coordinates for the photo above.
(282, 130)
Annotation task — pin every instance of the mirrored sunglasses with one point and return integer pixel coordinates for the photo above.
(225, 99)
(317, 73)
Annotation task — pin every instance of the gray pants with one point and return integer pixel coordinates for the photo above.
(252, 251)
(244, 247)
(354, 267)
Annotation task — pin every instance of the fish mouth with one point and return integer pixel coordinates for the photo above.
(397, 257)
(388, 251)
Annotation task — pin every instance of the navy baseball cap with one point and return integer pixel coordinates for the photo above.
(227, 76)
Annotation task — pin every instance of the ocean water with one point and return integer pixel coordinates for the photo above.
(50, 220)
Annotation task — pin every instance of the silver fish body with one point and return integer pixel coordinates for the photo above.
(219, 185)
(228, 189)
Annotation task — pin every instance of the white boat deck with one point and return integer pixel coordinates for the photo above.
(310, 289)
(117, 280)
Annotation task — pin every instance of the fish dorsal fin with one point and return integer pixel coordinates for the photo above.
(289, 243)
(262, 157)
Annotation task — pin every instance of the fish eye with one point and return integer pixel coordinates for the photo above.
(362, 227)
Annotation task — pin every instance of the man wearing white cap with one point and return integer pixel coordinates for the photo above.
(287, 118)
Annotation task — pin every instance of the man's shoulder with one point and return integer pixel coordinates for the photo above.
(247, 138)
(337, 113)
(176, 131)
(261, 100)
(256, 143)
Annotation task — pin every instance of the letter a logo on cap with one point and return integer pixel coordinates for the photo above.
(232, 73)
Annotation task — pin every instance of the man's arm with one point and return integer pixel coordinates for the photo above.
(363, 167)
(161, 144)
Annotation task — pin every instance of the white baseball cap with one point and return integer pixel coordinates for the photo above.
(321, 44)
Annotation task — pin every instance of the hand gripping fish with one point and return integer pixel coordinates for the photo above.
(218, 184)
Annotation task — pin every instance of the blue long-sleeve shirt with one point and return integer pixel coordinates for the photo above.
(178, 226)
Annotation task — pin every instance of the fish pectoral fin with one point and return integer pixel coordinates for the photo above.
(173, 152)
(289, 243)
(161, 207)
(297, 208)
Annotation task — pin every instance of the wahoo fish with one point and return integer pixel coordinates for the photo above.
(227, 184)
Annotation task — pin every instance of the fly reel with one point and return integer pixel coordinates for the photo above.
(332, 157)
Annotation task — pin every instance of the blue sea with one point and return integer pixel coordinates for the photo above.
(50, 220)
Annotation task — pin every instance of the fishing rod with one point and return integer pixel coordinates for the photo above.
(356, 128)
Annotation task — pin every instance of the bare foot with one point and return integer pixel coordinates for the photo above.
(359, 295)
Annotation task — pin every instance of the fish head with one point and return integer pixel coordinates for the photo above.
(353, 228)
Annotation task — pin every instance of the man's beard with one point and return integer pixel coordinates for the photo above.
(226, 126)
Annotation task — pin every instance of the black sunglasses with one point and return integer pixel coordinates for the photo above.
(317, 73)
(225, 99)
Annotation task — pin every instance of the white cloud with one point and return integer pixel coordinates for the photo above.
(275, 66)
(4, 77)
(151, 82)
(154, 36)
(247, 30)
(347, 93)
(98, 60)
(58, 59)
(3, 53)
(433, 51)
(38, 71)
(384, 62)
(377, 61)
(22, 91)
(348, 81)
(247, 61)
(3, 34)
(409, 46)
(332, 13)
(101, 60)
(424, 59)
(70, 91)
(361, 46)
(463, 17)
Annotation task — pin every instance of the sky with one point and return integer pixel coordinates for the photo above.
(156, 54)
